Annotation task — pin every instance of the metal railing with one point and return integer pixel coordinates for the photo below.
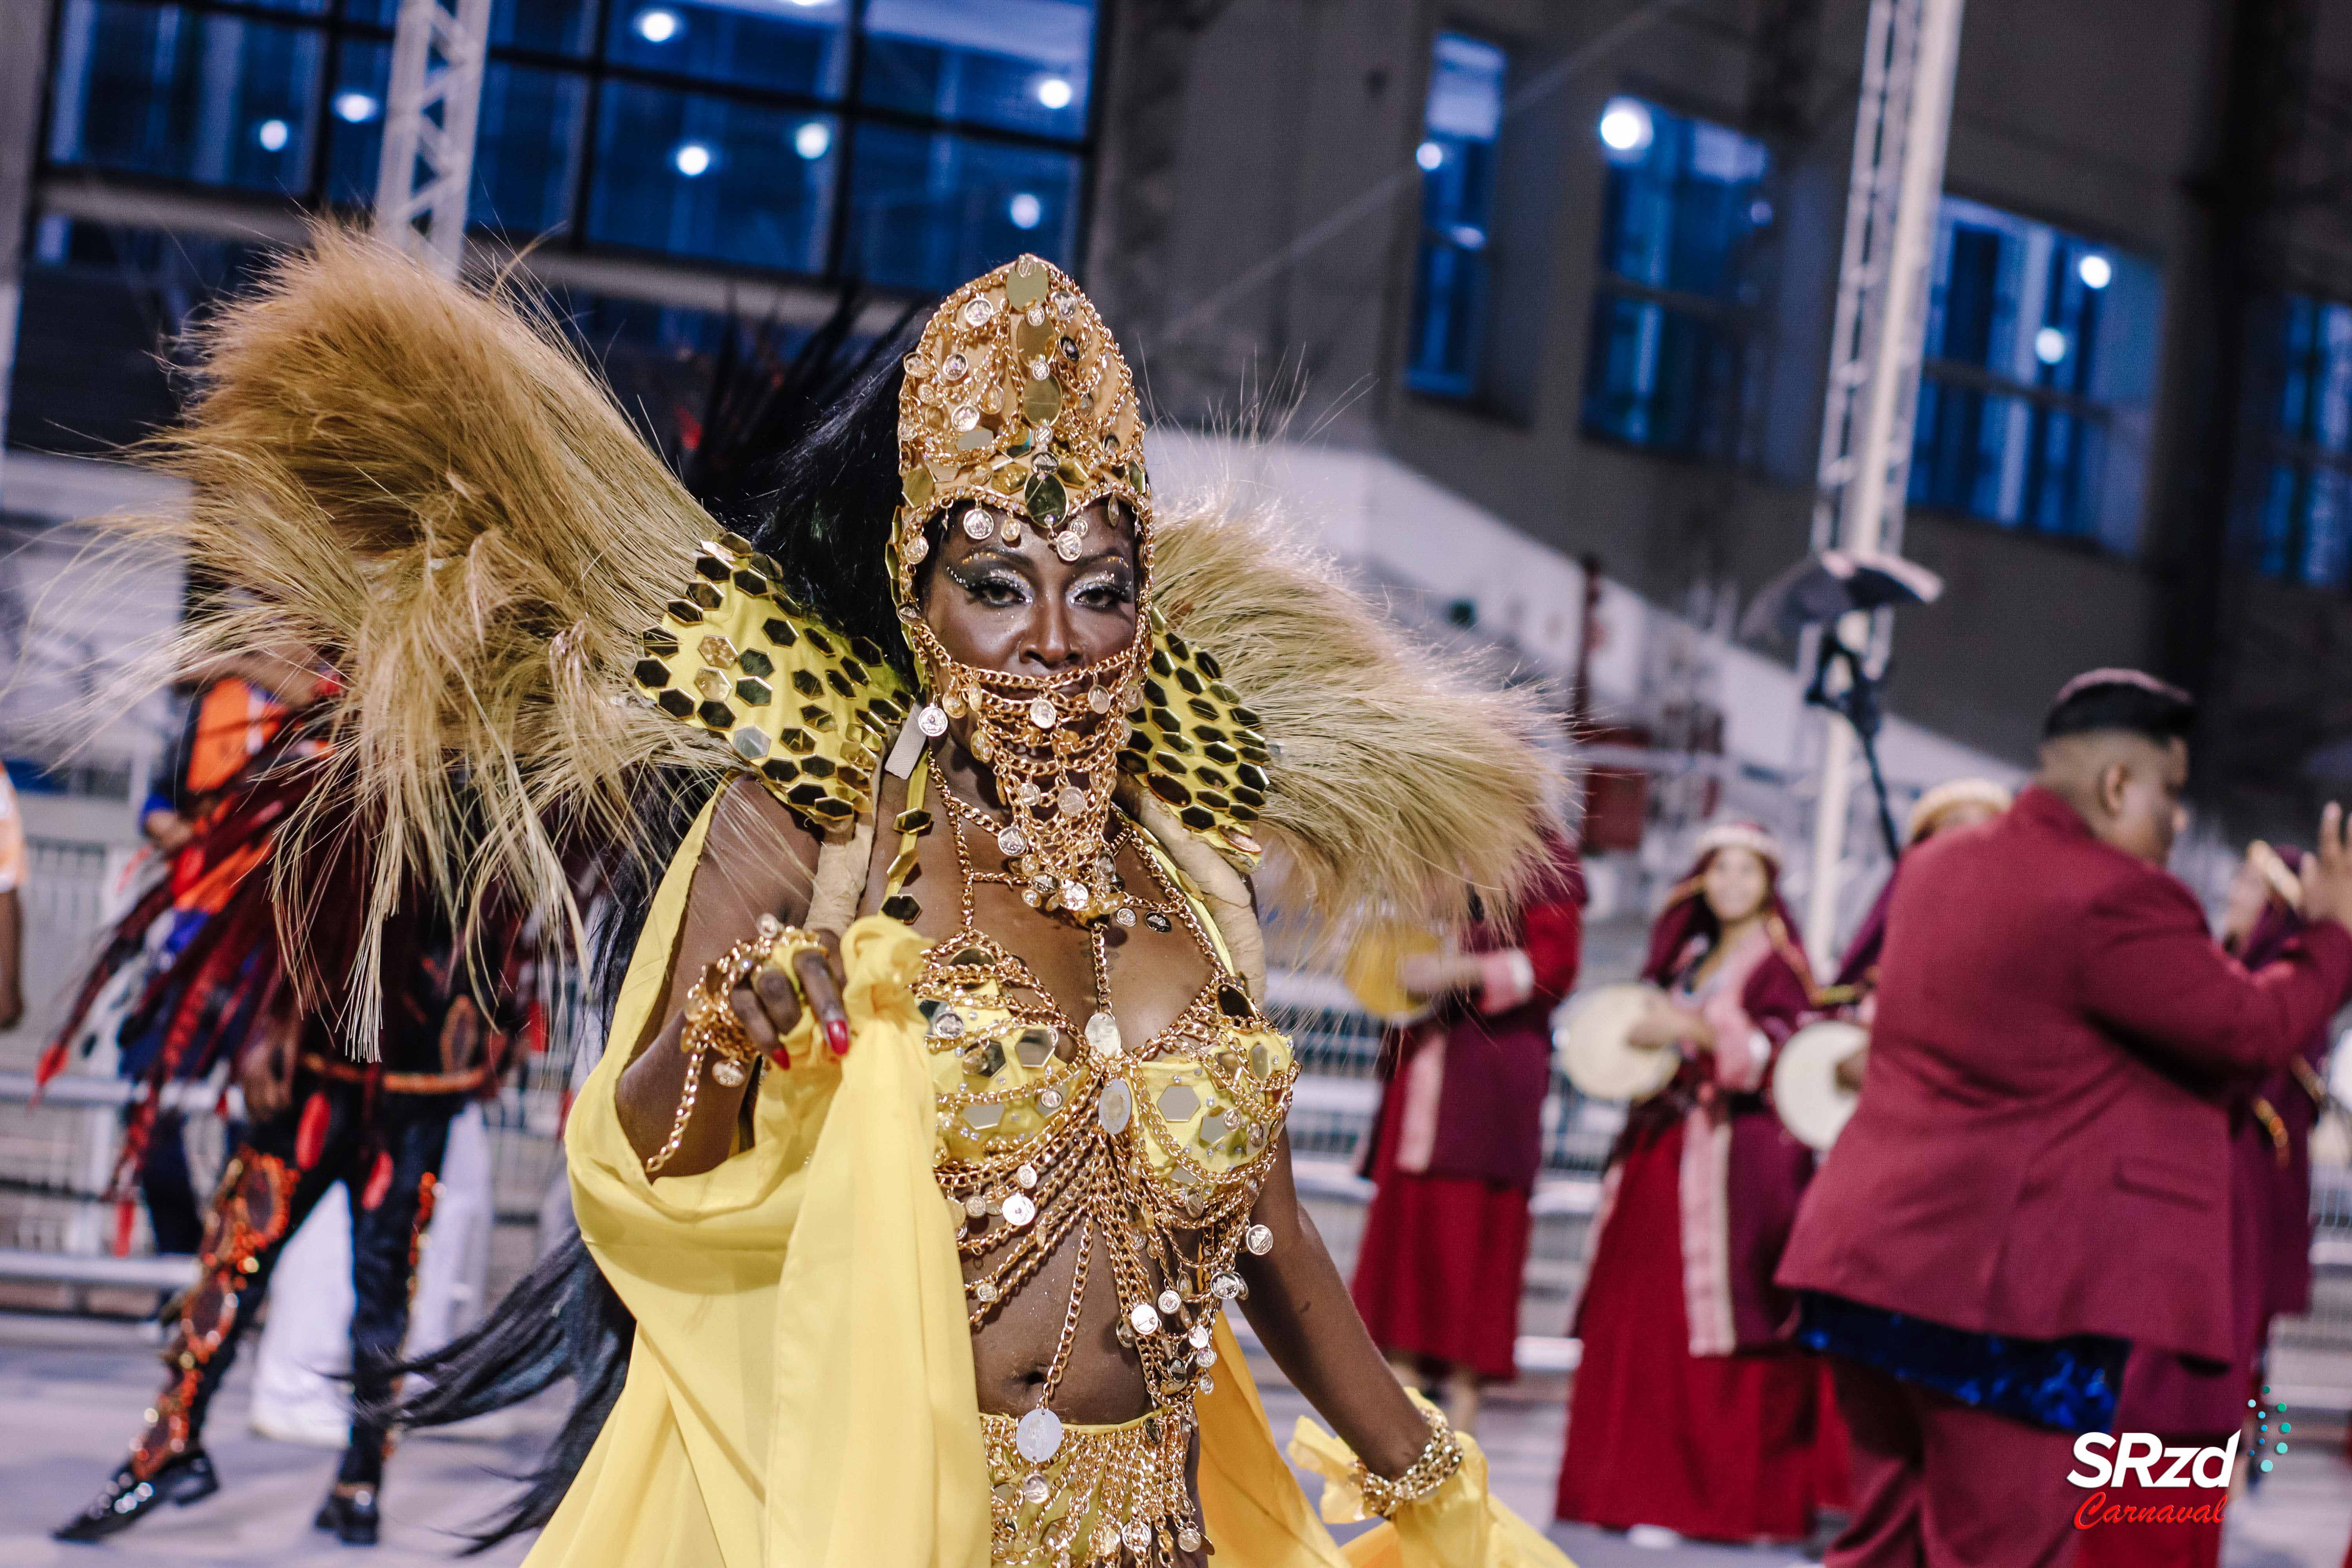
(56, 1157)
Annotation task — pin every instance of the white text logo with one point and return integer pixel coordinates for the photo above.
(2142, 1455)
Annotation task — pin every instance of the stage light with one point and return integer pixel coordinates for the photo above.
(1025, 210)
(814, 140)
(659, 25)
(1055, 92)
(2049, 345)
(273, 135)
(1625, 126)
(693, 159)
(355, 107)
(1429, 155)
(2095, 271)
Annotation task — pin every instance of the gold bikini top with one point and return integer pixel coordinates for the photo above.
(1161, 1149)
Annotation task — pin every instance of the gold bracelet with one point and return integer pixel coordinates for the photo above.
(1439, 1460)
(711, 1026)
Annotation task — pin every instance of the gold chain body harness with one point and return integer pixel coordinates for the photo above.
(1159, 1152)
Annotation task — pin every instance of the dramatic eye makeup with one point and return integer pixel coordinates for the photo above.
(1109, 586)
(994, 578)
(990, 579)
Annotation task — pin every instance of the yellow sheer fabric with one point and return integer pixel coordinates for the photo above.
(801, 1392)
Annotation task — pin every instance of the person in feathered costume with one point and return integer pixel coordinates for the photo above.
(222, 986)
(165, 1002)
(941, 1132)
(1691, 1410)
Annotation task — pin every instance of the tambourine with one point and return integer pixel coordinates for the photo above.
(1374, 971)
(1813, 1105)
(1593, 1045)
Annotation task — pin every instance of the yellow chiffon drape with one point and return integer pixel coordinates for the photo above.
(801, 1389)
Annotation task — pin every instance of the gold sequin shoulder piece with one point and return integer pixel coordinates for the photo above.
(807, 710)
(1194, 744)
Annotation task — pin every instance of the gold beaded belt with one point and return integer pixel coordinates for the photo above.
(1103, 1490)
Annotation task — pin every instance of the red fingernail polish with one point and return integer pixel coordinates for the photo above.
(783, 1058)
(836, 1036)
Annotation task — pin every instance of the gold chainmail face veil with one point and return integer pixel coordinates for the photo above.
(1018, 413)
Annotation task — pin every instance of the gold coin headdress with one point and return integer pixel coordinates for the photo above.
(1017, 414)
(1017, 401)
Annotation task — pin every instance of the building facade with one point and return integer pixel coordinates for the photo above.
(1567, 267)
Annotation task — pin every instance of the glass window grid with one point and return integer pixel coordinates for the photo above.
(1457, 159)
(2303, 515)
(348, 26)
(1667, 367)
(2002, 433)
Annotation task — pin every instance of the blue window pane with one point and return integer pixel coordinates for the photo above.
(2300, 528)
(1661, 378)
(2316, 393)
(778, 44)
(1023, 65)
(155, 90)
(552, 27)
(557, 27)
(2019, 299)
(2327, 529)
(928, 211)
(2274, 519)
(1457, 155)
(708, 177)
(2006, 459)
(354, 119)
(1684, 201)
(104, 306)
(523, 156)
(523, 145)
(2071, 326)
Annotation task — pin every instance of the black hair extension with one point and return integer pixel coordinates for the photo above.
(562, 1321)
(836, 492)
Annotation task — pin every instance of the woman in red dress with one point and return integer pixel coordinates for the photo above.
(1690, 1410)
(1456, 1145)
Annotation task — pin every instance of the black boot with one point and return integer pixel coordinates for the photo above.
(349, 1513)
(126, 1498)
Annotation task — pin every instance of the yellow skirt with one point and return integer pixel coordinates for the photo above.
(801, 1390)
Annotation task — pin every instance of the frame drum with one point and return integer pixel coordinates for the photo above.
(1373, 972)
(1805, 1091)
(1593, 1050)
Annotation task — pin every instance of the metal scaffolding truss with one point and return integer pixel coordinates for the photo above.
(430, 113)
(1901, 125)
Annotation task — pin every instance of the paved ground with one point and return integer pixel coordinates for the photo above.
(71, 1389)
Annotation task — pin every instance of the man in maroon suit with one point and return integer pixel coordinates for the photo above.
(2038, 1176)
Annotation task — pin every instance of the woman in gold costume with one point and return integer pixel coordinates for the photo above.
(941, 1136)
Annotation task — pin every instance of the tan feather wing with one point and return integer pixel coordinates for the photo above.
(1402, 778)
(425, 485)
